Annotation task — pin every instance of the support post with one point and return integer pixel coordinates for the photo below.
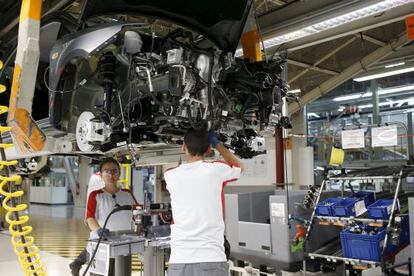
(410, 138)
(154, 261)
(376, 119)
(280, 162)
(411, 218)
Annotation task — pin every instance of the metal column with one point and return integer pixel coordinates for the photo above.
(154, 261)
(376, 119)
(122, 265)
(410, 138)
(411, 216)
(280, 162)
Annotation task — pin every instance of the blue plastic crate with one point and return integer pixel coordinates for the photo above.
(345, 207)
(369, 197)
(360, 246)
(381, 209)
(369, 247)
(324, 208)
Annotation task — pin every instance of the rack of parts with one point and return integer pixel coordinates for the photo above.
(368, 238)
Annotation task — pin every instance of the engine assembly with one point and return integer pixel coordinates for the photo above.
(128, 87)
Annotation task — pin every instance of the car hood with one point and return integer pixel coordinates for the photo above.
(221, 21)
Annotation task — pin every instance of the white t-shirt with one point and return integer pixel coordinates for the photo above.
(101, 203)
(197, 201)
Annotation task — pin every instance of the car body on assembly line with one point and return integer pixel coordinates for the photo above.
(138, 74)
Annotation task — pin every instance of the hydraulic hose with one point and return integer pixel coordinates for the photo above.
(22, 241)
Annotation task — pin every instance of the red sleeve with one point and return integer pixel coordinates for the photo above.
(231, 165)
(91, 206)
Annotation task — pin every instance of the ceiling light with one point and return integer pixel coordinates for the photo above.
(348, 97)
(394, 65)
(385, 74)
(398, 103)
(395, 90)
(333, 22)
(313, 114)
(295, 91)
(365, 106)
(369, 94)
(336, 21)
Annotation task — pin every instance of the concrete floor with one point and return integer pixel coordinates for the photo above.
(60, 233)
(55, 265)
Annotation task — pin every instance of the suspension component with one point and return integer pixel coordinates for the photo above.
(107, 70)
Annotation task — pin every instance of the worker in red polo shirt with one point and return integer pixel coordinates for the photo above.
(102, 202)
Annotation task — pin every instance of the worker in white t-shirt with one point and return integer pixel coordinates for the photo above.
(197, 201)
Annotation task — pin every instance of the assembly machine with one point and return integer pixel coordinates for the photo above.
(276, 218)
(150, 239)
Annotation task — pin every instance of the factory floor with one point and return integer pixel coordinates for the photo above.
(60, 234)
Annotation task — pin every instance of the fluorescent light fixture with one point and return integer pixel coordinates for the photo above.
(313, 114)
(369, 94)
(394, 64)
(332, 22)
(395, 90)
(348, 97)
(295, 91)
(385, 74)
(365, 106)
(389, 103)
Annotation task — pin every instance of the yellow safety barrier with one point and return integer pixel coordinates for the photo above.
(127, 180)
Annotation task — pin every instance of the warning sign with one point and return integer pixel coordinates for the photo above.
(409, 24)
(386, 136)
(353, 139)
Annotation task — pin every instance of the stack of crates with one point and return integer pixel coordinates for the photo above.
(368, 244)
(343, 206)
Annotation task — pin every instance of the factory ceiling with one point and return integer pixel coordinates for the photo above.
(317, 64)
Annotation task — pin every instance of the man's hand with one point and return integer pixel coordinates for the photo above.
(213, 138)
(103, 232)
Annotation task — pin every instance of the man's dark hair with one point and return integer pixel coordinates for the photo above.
(108, 160)
(197, 142)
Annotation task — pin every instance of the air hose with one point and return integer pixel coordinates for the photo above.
(22, 241)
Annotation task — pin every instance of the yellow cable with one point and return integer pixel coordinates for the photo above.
(7, 164)
(4, 129)
(23, 243)
(18, 230)
(3, 109)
